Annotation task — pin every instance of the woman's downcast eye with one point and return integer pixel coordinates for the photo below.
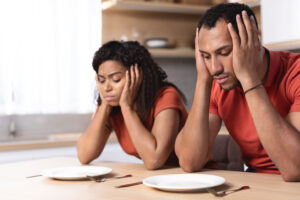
(116, 80)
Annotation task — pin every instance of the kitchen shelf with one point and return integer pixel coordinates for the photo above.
(172, 53)
(151, 6)
(250, 3)
(284, 46)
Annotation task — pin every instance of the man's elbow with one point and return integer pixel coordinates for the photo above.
(291, 176)
(154, 163)
(190, 165)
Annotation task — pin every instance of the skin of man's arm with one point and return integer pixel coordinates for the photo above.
(194, 142)
(280, 137)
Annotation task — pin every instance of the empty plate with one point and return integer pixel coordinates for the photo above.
(75, 173)
(183, 182)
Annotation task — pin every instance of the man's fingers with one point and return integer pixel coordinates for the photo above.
(249, 28)
(255, 31)
(242, 30)
(234, 36)
(197, 53)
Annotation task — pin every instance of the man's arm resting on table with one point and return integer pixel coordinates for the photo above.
(193, 147)
(280, 137)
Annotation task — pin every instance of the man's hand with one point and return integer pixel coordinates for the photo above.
(248, 52)
(202, 71)
(132, 85)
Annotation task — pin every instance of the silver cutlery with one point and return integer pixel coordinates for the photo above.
(226, 192)
(92, 178)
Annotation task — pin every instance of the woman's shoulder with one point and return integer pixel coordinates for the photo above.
(168, 96)
(168, 90)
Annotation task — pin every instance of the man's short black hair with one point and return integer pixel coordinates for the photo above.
(225, 11)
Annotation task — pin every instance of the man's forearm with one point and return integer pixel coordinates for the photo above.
(192, 144)
(280, 139)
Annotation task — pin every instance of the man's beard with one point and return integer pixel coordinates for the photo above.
(233, 86)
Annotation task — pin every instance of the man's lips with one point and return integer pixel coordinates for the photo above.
(221, 79)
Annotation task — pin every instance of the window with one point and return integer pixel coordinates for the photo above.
(46, 53)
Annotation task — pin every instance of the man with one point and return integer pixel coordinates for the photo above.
(256, 92)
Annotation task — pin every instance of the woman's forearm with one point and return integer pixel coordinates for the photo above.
(92, 141)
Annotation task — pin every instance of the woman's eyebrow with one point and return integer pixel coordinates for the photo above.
(114, 73)
(110, 75)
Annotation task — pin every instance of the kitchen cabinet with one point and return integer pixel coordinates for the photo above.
(141, 20)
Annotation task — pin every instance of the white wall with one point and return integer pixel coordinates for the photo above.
(280, 20)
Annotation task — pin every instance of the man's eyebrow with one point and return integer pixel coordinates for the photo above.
(223, 47)
(217, 50)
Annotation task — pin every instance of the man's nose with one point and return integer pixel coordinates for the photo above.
(216, 66)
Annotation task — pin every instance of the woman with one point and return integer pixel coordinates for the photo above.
(135, 100)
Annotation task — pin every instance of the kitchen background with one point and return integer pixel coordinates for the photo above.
(46, 79)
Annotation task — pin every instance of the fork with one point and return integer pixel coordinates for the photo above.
(107, 179)
(226, 192)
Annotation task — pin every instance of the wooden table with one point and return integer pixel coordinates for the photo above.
(14, 184)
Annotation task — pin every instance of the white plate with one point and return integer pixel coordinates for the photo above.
(75, 173)
(183, 182)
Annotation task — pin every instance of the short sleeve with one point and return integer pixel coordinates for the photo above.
(213, 107)
(293, 89)
(168, 98)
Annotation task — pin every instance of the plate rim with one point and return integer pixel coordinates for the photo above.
(172, 188)
(46, 172)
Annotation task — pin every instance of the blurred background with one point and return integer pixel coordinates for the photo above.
(47, 83)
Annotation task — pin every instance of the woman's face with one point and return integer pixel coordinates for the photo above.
(111, 81)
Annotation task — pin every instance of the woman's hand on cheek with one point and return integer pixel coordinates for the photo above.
(132, 84)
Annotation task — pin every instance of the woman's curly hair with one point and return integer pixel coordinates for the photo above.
(154, 77)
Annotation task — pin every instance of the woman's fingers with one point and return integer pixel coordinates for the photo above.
(138, 75)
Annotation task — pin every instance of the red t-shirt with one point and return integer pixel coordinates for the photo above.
(283, 88)
(167, 98)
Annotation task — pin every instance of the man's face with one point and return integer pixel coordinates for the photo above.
(215, 44)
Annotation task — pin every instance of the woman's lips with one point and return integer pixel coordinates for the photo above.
(110, 98)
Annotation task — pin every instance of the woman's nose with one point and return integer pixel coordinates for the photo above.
(107, 86)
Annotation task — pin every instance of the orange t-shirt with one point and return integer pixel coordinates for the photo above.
(283, 88)
(167, 98)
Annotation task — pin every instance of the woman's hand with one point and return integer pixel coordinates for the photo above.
(202, 71)
(248, 52)
(132, 85)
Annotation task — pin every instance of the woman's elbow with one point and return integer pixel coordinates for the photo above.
(83, 160)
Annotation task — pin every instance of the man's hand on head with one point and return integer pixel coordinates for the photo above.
(248, 53)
